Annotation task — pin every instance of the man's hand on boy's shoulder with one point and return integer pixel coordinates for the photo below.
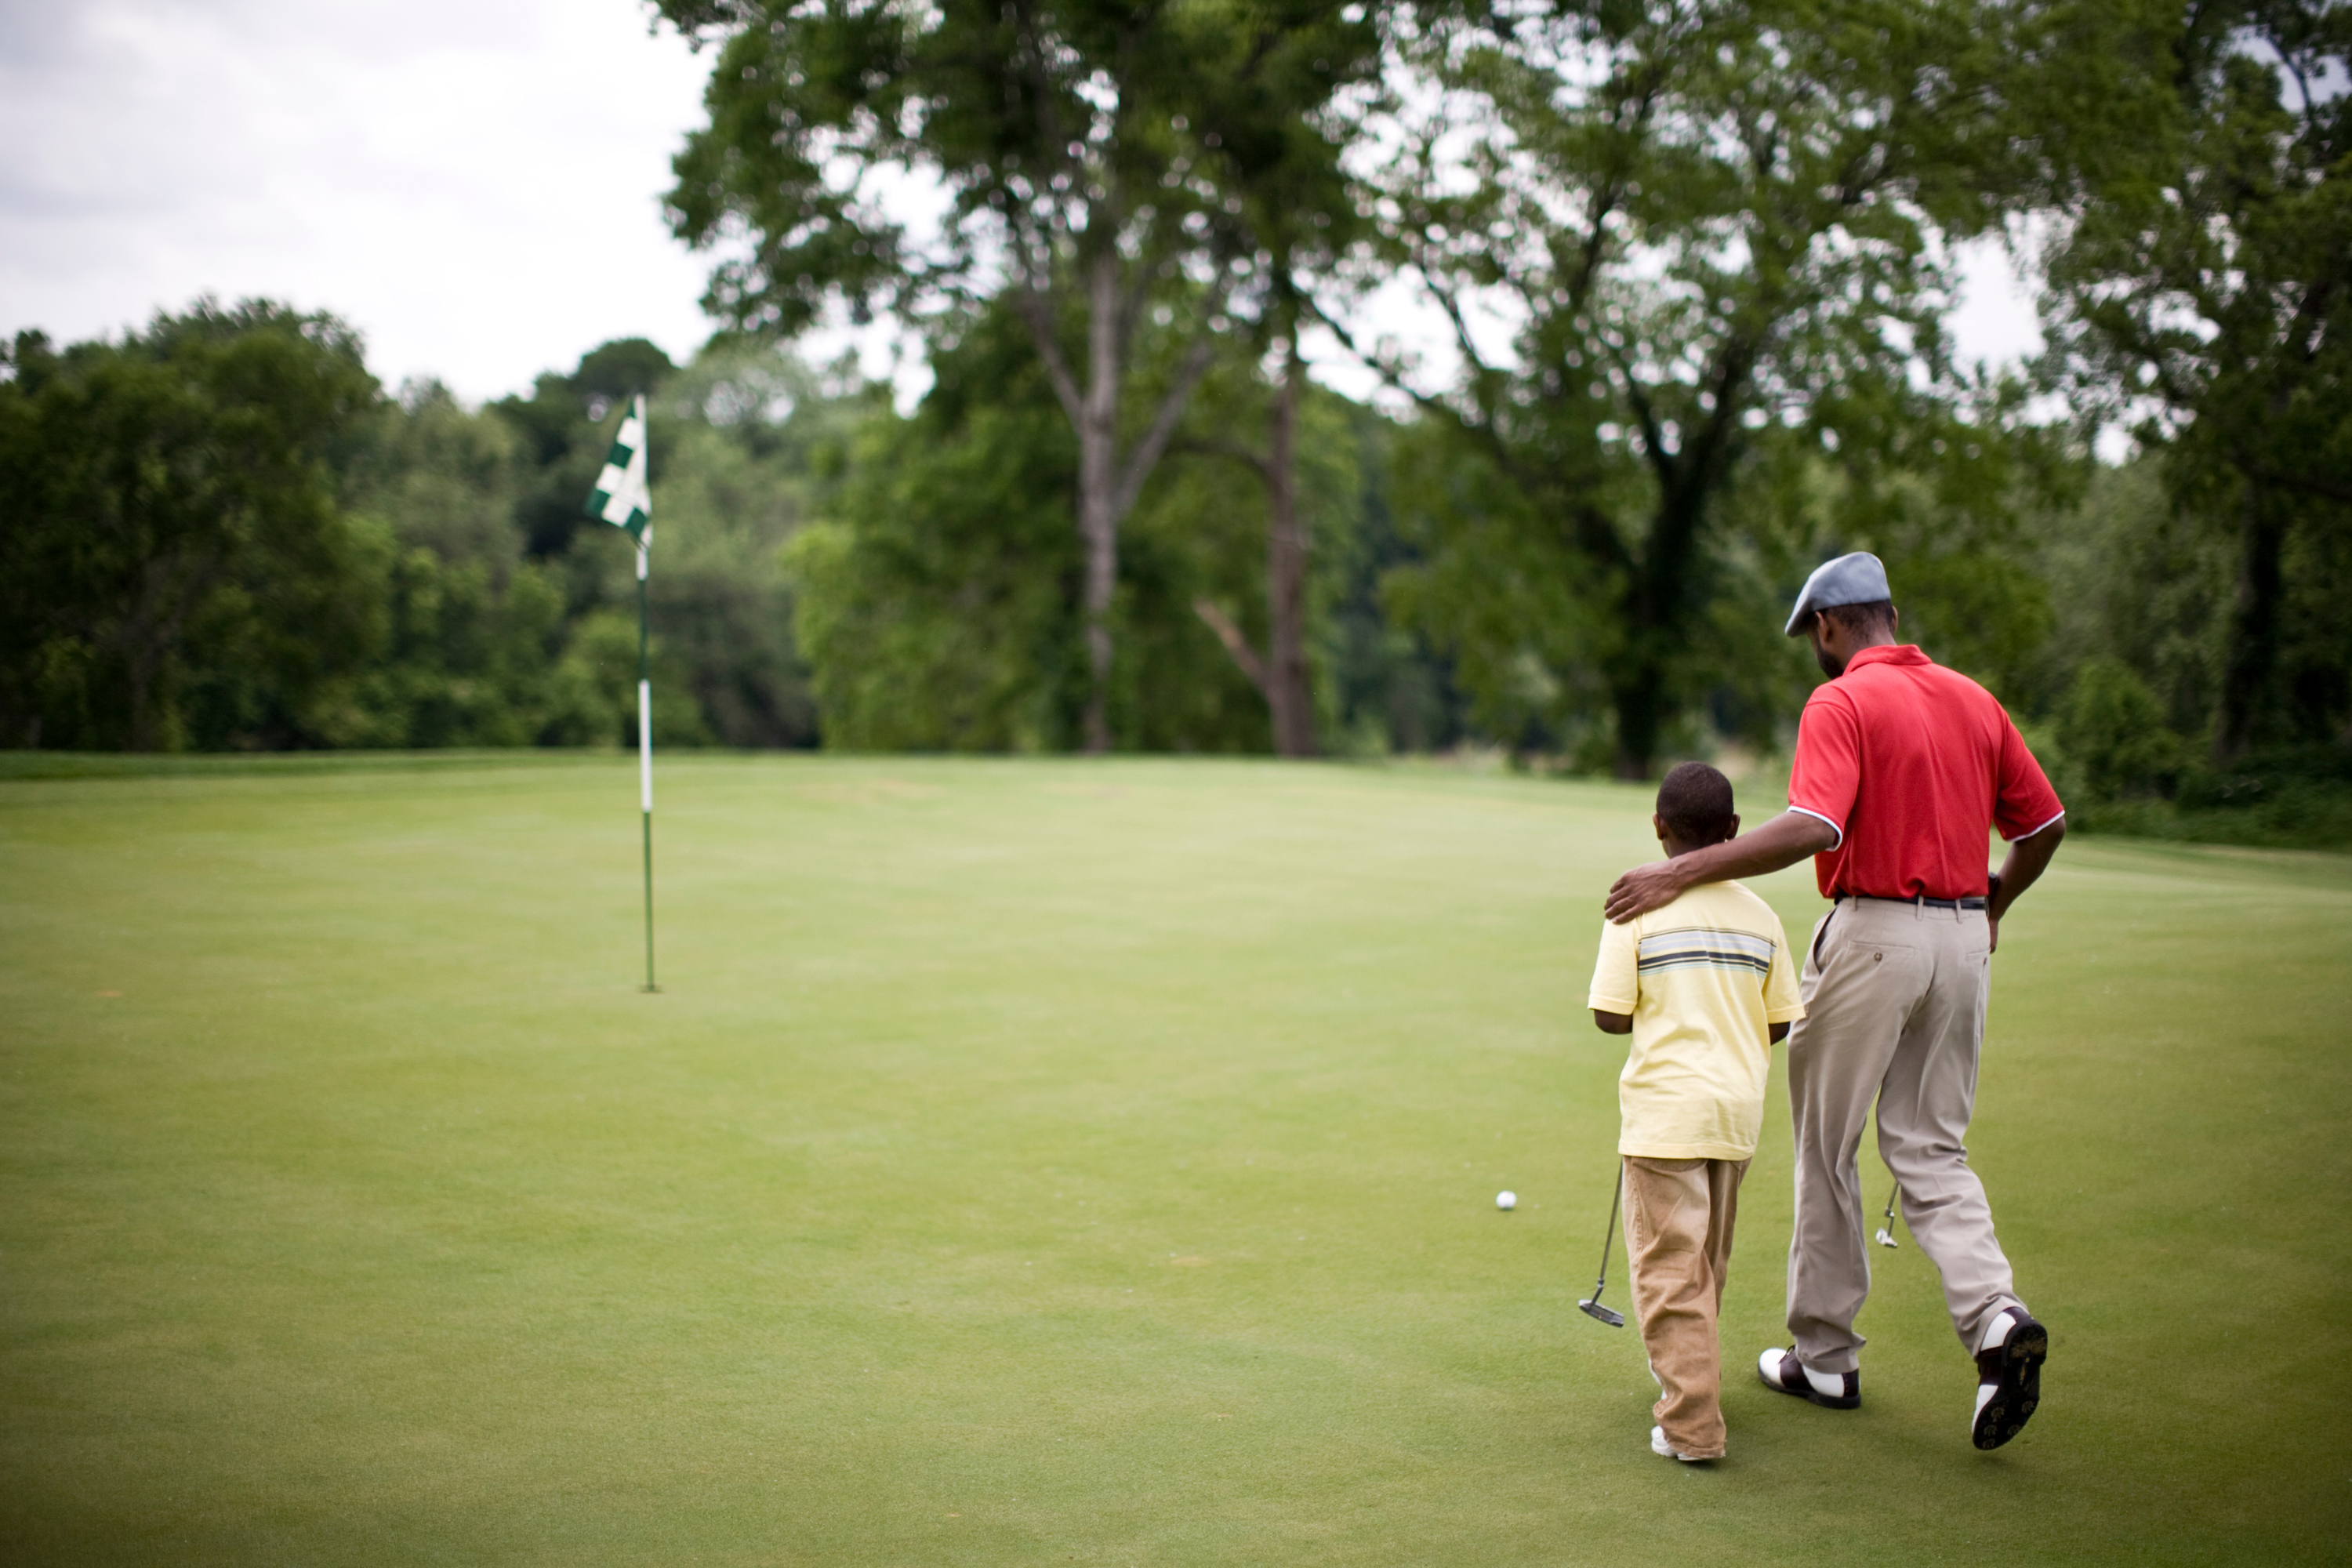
(1781, 842)
(1642, 889)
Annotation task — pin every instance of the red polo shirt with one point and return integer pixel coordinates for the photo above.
(1911, 763)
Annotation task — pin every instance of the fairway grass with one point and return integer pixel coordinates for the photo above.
(1061, 1162)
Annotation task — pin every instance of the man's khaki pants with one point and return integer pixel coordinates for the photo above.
(1678, 1218)
(1895, 1009)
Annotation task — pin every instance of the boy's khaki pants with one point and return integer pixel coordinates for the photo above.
(1894, 1010)
(1678, 1218)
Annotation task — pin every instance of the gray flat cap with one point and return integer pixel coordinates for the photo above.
(1856, 579)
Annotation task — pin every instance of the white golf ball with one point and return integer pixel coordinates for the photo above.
(1506, 1200)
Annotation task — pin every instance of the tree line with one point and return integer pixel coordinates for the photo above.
(1696, 257)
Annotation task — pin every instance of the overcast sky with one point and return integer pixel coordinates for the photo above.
(474, 184)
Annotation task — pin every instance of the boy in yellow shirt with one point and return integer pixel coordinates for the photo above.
(1705, 986)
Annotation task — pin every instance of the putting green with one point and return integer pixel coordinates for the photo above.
(1061, 1162)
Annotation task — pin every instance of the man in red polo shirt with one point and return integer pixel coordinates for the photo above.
(1901, 767)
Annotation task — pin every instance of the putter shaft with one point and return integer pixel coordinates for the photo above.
(1594, 1309)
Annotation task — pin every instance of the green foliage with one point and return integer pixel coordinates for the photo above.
(564, 423)
(1943, 493)
(2142, 587)
(226, 539)
(1722, 232)
(936, 610)
(2199, 291)
(937, 603)
(470, 660)
(175, 570)
(1389, 691)
(1698, 255)
(1211, 511)
(1102, 163)
(1091, 128)
(2135, 578)
(1502, 594)
(750, 443)
(2113, 729)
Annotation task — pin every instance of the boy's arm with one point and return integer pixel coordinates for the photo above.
(1784, 1002)
(1616, 980)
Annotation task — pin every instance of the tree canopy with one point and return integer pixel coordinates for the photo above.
(2200, 278)
(1093, 157)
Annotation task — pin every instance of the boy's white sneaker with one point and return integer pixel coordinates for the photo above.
(1782, 1371)
(1665, 1450)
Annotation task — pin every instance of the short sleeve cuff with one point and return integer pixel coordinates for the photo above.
(1788, 1015)
(1839, 828)
(2015, 837)
(1601, 1004)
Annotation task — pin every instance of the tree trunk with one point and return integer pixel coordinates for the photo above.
(1098, 491)
(1289, 693)
(1654, 611)
(1639, 697)
(142, 655)
(142, 737)
(2250, 662)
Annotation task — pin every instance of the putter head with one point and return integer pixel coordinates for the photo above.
(1886, 1238)
(1609, 1315)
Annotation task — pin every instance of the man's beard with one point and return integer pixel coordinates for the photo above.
(1832, 665)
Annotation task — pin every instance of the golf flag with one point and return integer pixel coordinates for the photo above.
(624, 498)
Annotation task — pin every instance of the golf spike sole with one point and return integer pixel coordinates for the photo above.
(2017, 1393)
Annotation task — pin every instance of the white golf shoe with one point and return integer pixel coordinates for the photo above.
(1784, 1373)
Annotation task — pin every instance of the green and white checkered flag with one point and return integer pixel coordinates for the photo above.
(622, 497)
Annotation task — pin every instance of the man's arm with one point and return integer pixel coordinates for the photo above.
(1613, 1023)
(1779, 844)
(2028, 857)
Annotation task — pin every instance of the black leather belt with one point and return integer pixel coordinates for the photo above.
(1925, 903)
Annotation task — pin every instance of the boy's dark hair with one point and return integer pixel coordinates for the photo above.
(1878, 615)
(1696, 801)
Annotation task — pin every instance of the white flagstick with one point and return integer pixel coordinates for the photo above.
(624, 499)
(646, 759)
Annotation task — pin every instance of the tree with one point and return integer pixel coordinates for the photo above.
(2200, 288)
(753, 445)
(939, 600)
(175, 486)
(1081, 180)
(1661, 235)
(474, 644)
(1282, 163)
(1280, 673)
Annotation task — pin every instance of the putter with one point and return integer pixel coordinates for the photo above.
(1885, 1237)
(1594, 1309)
